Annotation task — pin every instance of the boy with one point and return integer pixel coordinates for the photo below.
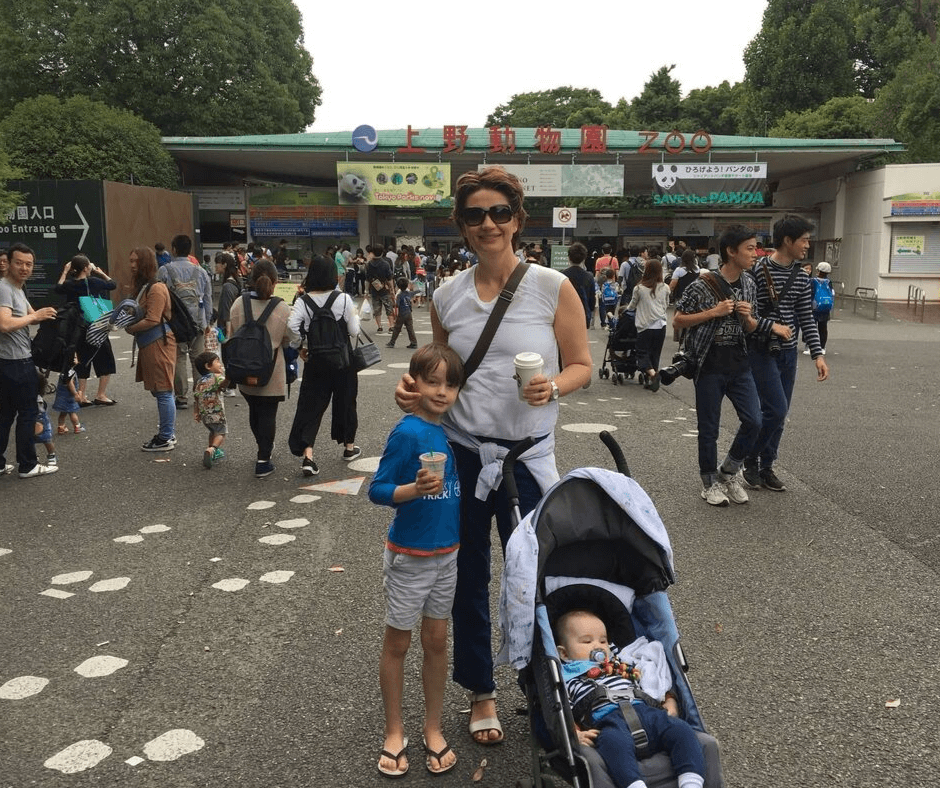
(210, 409)
(420, 570)
(43, 424)
(403, 315)
(583, 647)
(610, 297)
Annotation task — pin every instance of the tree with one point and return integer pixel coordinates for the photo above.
(561, 108)
(847, 117)
(210, 68)
(657, 107)
(79, 138)
(8, 200)
(712, 109)
(803, 55)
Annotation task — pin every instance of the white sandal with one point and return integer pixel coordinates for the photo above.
(487, 723)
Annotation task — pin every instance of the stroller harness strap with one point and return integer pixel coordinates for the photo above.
(583, 708)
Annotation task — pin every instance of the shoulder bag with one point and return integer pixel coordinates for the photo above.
(489, 330)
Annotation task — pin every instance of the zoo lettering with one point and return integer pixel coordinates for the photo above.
(713, 198)
(674, 142)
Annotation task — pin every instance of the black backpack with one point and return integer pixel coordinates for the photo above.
(248, 355)
(181, 322)
(56, 340)
(327, 337)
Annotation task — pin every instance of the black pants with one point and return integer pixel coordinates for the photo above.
(320, 385)
(823, 326)
(649, 347)
(262, 418)
(406, 321)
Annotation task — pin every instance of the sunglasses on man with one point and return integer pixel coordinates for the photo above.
(473, 217)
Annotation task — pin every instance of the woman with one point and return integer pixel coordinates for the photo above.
(686, 273)
(156, 359)
(322, 381)
(226, 266)
(80, 277)
(650, 299)
(4, 262)
(263, 400)
(545, 317)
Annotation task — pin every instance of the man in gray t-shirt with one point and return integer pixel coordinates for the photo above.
(18, 383)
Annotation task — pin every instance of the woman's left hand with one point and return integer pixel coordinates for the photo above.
(538, 391)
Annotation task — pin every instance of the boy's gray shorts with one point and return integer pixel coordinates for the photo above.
(217, 429)
(418, 587)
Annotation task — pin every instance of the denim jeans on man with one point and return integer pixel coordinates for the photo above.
(774, 377)
(18, 390)
(473, 648)
(710, 389)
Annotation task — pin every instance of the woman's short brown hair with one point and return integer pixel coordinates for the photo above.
(497, 179)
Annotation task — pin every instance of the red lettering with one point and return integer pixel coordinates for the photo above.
(705, 145)
(672, 148)
(651, 137)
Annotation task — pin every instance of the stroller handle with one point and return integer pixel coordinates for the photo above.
(616, 452)
(509, 465)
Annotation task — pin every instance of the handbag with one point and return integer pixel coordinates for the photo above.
(365, 354)
(93, 306)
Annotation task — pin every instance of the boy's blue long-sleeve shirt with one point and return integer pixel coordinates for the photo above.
(425, 525)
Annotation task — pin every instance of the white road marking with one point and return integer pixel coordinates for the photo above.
(365, 464)
(305, 498)
(297, 522)
(114, 584)
(130, 539)
(172, 745)
(134, 760)
(55, 593)
(71, 577)
(588, 427)
(154, 529)
(341, 487)
(276, 577)
(277, 539)
(257, 505)
(23, 687)
(5, 551)
(231, 584)
(78, 757)
(103, 665)
(372, 371)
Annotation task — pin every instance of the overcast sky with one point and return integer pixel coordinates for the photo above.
(430, 64)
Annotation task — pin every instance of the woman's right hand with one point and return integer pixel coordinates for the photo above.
(405, 396)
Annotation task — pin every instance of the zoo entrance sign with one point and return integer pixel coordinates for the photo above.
(707, 184)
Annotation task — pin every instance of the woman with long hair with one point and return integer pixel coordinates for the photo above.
(81, 277)
(323, 380)
(492, 413)
(156, 345)
(263, 400)
(226, 266)
(650, 299)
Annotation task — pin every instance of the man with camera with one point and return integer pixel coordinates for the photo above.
(719, 309)
(785, 293)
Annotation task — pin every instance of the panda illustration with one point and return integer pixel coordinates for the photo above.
(666, 176)
(352, 188)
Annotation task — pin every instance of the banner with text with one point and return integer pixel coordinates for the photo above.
(568, 180)
(711, 185)
(401, 184)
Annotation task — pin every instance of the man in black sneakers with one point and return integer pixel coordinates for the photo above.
(785, 293)
(718, 309)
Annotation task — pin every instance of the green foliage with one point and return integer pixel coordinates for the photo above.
(802, 56)
(657, 107)
(8, 200)
(847, 117)
(79, 138)
(560, 108)
(192, 68)
(713, 109)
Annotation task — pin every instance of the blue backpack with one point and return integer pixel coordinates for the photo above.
(610, 294)
(822, 296)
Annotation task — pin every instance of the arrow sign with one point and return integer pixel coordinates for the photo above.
(83, 226)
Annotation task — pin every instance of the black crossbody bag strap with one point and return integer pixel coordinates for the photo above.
(489, 330)
(774, 298)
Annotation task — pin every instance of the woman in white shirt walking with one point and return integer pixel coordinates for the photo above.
(650, 299)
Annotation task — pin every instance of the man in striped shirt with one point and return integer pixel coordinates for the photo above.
(784, 293)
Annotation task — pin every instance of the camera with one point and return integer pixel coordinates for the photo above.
(768, 343)
(682, 367)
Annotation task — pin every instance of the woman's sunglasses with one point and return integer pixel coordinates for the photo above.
(473, 217)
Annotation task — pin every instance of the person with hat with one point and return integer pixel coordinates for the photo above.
(823, 299)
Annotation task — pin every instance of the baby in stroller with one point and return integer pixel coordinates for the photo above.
(605, 692)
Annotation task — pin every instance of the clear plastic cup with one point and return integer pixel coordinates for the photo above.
(435, 462)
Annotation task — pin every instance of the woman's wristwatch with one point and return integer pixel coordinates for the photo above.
(555, 393)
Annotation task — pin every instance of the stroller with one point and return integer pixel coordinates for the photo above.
(608, 552)
(620, 352)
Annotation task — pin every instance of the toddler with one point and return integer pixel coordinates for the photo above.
(43, 424)
(210, 408)
(66, 402)
(585, 652)
(420, 571)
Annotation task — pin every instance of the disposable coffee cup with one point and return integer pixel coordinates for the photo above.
(435, 462)
(528, 366)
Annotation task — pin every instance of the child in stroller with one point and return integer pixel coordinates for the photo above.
(608, 696)
(594, 542)
(620, 352)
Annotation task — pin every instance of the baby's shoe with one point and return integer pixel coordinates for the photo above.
(79, 428)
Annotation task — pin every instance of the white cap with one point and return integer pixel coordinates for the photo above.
(824, 267)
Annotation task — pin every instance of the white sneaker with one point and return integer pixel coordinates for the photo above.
(806, 352)
(733, 488)
(715, 495)
(824, 351)
(39, 470)
(7, 469)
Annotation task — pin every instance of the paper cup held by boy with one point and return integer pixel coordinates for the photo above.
(528, 366)
(435, 462)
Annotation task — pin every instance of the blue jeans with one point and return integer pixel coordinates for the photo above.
(473, 649)
(18, 390)
(666, 734)
(166, 411)
(710, 389)
(774, 377)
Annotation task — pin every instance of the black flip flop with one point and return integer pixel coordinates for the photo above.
(104, 402)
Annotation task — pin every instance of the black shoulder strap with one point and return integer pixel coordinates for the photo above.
(489, 330)
(272, 303)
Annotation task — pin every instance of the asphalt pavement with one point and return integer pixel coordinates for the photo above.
(165, 625)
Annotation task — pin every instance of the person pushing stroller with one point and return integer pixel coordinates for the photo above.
(594, 693)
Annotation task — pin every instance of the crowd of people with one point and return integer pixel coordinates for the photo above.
(441, 467)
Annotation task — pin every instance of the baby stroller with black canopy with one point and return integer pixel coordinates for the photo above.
(620, 352)
(594, 542)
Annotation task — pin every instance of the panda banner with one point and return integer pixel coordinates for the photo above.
(399, 184)
(709, 185)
